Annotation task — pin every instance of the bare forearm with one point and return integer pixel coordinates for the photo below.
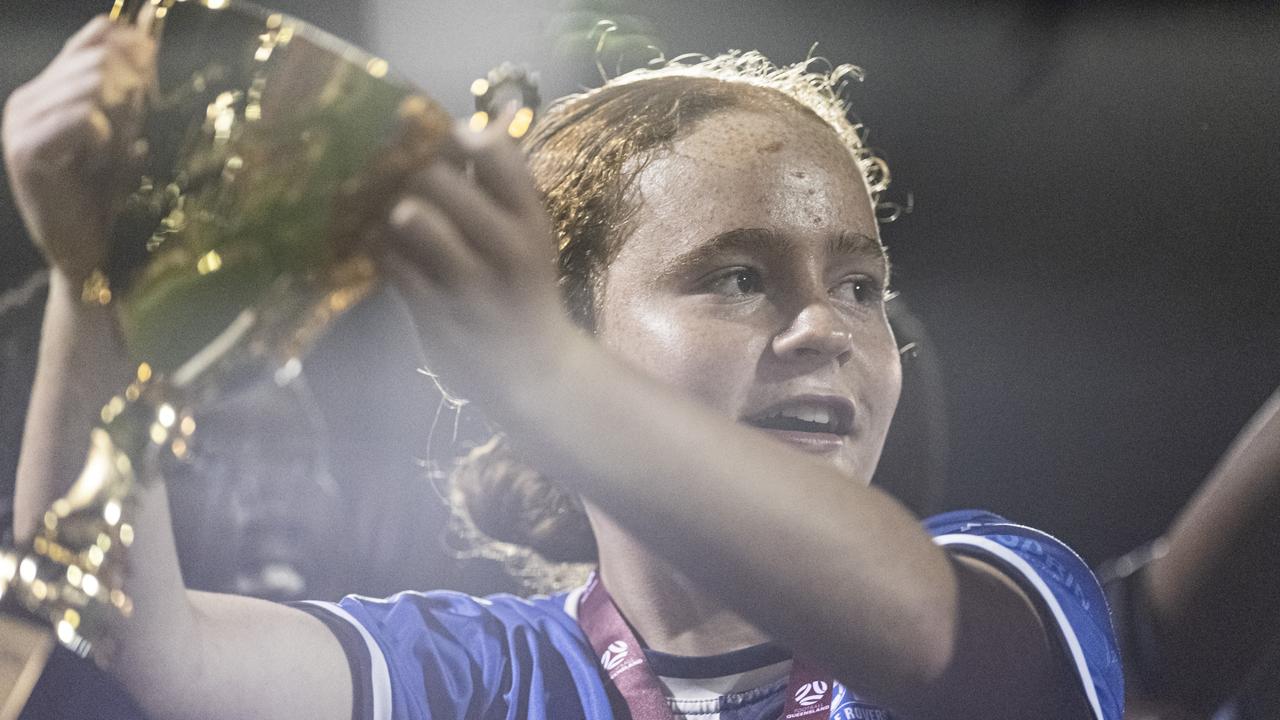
(180, 655)
(1213, 593)
(769, 525)
(188, 655)
(81, 364)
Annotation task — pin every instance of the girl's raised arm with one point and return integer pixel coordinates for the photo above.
(182, 655)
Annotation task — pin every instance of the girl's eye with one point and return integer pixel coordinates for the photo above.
(736, 282)
(859, 290)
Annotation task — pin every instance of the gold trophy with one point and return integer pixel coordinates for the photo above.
(270, 146)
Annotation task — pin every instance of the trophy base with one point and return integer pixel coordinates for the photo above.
(24, 649)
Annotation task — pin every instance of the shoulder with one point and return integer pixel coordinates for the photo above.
(1069, 599)
(451, 655)
(468, 614)
(1020, 548)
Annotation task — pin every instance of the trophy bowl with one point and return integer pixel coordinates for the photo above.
(269, 146)
(269, 150)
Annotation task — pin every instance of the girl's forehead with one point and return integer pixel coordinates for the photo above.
(769, 131)
(758, 169)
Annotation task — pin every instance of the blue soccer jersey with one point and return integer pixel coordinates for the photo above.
(1064, 589)
(450, 656)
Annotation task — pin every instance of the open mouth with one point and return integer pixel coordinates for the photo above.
(817, 416)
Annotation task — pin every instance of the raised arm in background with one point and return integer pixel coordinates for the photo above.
(1211, 596)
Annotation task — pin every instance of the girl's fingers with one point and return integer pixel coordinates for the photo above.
(476, 224)
(37, 104)
(146, 19)
(99, 73)
(500, 167)
(124, 83)
(101, 30)
(403, 272)
(472, 211)
(79, 72)
(425, 236)
(93, 31)
(138, 46)
(88, 67)
(83, 131)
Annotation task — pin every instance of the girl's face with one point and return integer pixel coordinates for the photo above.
(753, 279)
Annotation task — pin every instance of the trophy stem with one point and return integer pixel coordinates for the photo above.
(69, 577)
(23, 654)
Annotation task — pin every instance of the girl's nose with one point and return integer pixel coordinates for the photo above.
(817, 332)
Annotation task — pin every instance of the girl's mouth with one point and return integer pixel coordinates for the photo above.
(817, 423)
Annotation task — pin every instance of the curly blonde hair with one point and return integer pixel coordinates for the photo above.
(814, 84)
(585, 152)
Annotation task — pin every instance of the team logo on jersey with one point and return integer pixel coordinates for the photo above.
(811, 693)
(615, 655)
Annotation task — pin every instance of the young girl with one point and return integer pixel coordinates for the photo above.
(717, 396)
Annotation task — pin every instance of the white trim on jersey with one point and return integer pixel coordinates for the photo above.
(693, 690)
(571, 601)
(379, 677)
(1015, 561)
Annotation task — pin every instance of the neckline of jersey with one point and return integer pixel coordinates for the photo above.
(734, 662)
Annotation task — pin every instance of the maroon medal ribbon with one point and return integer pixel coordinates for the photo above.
(634, 686)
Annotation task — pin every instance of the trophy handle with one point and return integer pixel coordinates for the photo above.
(132, 13)
(502, 85)
(127, 10)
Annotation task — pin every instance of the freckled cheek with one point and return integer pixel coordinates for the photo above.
(882, 375)
(708, 359)
(878, 375)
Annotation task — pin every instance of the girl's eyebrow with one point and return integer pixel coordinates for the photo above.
(771, 244)
(858, 244)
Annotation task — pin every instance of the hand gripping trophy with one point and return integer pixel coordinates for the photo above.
(268, 149)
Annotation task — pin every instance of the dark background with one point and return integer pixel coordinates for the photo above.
(1093, 243)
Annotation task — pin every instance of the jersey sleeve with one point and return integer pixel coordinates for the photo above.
(1065, 591)
(451, 656)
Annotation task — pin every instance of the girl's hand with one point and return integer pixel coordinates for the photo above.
(471, 251)
(67, 135)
